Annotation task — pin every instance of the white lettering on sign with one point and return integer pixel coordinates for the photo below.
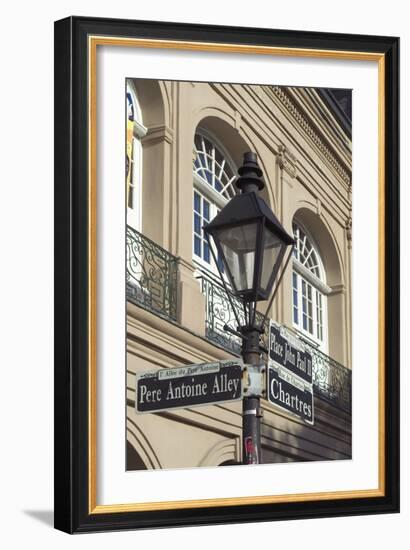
(290, 356)
(206, 383)
(292, 401)
(186, 390)
(276, 346)
(189, 370)
(150, 396)
(285, 350)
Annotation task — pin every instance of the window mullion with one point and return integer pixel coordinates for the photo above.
(314, 315)
(213, 166)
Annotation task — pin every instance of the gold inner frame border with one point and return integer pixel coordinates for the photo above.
(93, 43)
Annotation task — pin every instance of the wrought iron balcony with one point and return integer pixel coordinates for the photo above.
(151, 275)
(331, 380)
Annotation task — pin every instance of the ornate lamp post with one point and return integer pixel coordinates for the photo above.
(251, 245)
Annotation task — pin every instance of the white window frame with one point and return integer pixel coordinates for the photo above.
(216, 201)
(317, 284)
(134, 213)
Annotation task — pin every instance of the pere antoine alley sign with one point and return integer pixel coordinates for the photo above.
(187, 386)
(288, 381)
(290, 374)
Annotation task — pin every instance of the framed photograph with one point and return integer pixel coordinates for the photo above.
(226, 274)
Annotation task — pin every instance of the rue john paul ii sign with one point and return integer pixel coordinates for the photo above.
(289, 378)
(188, 386)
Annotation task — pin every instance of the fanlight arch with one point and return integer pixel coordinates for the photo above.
(329, 279)
(213, 165)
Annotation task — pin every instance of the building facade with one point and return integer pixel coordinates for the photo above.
(185, 142)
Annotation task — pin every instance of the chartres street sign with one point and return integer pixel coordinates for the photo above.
(289, 379)
(290, 393)
(189, 386)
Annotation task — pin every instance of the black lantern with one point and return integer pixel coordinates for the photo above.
(250, 240)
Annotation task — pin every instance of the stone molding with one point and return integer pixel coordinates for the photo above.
(348, 227)
(287, 161)
(158, 133)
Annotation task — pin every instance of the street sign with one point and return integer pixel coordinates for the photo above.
(289, 379)
(188, 386)
(287, 350)
(288, 392)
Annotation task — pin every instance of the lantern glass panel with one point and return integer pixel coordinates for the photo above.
(273, 250)
(238, 247)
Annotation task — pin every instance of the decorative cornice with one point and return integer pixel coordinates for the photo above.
(304, 123)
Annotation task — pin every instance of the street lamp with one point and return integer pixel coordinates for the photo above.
(250, 248)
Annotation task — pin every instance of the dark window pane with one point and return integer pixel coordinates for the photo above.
(197, 246)
(197, 203)
(201, 158)
(206, 253)
(206, 209)
(197, 224)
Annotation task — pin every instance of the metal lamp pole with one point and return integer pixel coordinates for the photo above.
(251, 409)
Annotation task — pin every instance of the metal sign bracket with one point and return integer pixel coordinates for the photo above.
(254, 381)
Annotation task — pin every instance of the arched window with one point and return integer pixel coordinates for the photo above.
(135, 131)
(309, 289)
(214, 174)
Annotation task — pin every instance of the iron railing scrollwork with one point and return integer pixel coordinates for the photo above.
(219, 312)
(152, 274)
(331, 380)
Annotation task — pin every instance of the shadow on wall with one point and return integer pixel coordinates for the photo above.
(291, 441)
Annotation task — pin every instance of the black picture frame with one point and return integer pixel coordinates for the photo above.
(73, 513)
